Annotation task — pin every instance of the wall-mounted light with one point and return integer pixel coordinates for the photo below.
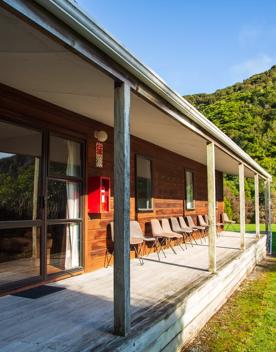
(101, 136)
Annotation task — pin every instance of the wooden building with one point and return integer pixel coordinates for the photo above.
(90, 135)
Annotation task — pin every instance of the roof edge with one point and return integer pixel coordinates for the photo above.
(84, 25)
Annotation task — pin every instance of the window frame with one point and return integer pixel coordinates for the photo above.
(143, 210)
(81, 180)
(193, 207)
(43, 222)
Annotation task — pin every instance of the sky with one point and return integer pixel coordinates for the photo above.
(196, 46)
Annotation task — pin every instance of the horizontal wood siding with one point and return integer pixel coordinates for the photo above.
(168, 169)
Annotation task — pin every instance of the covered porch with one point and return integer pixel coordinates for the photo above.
(178, 293)
(75, 86)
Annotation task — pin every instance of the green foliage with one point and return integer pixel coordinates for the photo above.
(246, 323)
(228, 207)
(16, 187)
(252, 228)
(246, 112)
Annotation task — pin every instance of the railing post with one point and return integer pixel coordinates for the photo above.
(257, 206)
(211, 183)
(242, 205)
(121, 209)
(268, 216)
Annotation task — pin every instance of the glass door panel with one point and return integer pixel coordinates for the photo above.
(63, 204)
(19, 254)
(20, 216)
(63, 199)
(36, 240)
(65, 249)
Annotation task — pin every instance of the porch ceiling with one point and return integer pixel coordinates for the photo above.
(32, 62)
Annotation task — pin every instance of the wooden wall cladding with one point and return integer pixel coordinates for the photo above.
(168, 169)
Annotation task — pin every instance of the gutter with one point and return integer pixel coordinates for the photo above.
(69, 13)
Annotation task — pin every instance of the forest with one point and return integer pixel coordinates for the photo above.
(246, 112)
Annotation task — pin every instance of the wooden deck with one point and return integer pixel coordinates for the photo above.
(80, 318)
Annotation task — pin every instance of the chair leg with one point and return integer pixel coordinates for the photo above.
(161, 247)
(191, 241)
(156, 244)
(179, 244)
(138, 255)
(170, 245)
(193, 238)
(151, 248)
(200, 236)
(143, 246)
(184, 241)
(106, 260)
(140, 251)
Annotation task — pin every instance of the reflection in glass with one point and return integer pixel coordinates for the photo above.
(65, 251)
(143, 183)
(20, 150)
(190, 203)
(63, 200)
(19, 254)
(65, 157)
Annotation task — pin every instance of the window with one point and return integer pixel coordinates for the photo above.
(143, 183)
(63, 203)
(65, 157)
(189, 177)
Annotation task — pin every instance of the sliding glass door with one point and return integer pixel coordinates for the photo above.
(20, 215)
(41, 182)
(64, 216)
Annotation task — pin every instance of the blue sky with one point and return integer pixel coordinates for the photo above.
(194, 45)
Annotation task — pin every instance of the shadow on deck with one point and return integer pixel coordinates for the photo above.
(80, 317)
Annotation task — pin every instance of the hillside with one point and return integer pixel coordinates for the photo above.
(246, 112)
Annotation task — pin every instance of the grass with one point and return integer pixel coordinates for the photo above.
(252, 227)
(246, 323)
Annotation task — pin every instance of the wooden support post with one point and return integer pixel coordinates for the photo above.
(257, 206)
(242, 206)
(211, 181)
(121, 209)
(35, 244)
(268, 216)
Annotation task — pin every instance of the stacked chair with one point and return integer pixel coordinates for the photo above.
(165, 233)
(218, 224)
(137, 242)
(200, 229)
(188, 230)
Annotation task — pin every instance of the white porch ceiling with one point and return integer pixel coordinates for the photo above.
(35, 64)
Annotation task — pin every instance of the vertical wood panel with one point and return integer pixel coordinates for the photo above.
(268, 216)
(242, 205)
(257, 205)
(121, 209)
(211, 181)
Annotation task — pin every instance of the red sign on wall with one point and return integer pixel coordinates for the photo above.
(99, 154)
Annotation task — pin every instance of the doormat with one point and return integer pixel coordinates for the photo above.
(38, 292)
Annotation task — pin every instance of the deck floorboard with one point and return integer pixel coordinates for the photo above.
(80, 317)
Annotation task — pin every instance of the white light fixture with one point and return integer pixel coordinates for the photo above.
(101, 136)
